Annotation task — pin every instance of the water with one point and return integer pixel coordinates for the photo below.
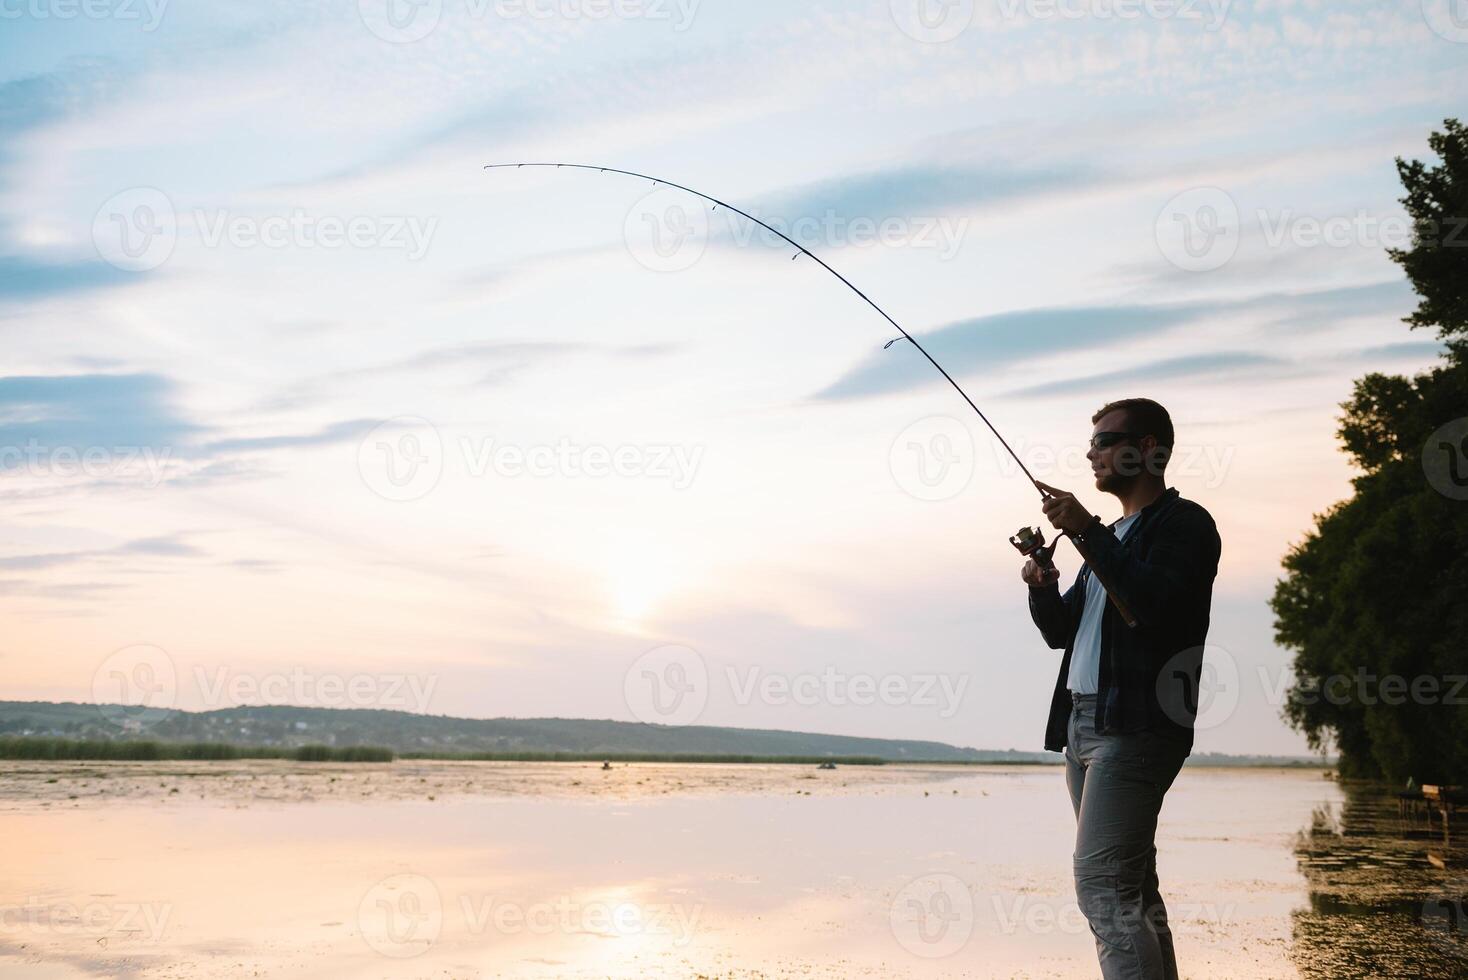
(290, 870)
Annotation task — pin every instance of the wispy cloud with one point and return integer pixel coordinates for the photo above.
(51, 423)
(1001, 340)
(167, 546)
(909, 189)
(325, 436)
(1257, 367)
(990, 342)
(23, 278)
(82, 411)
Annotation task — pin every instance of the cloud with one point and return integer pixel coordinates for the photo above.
(35, 101)
(23, 278)
(170, 546)
(1406, 349)
(999, 340)
(1193, 366)
(85, 411)
(32, 103)
(921, 189)
(328, 435)
(1322, 309)
(117, 429)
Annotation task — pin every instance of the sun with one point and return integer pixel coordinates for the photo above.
(641, 576)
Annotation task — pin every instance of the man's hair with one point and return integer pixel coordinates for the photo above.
(1144, 417)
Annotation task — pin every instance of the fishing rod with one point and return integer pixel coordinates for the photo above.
(1030, 541)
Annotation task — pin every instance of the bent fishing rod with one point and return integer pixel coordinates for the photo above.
(1030, 541)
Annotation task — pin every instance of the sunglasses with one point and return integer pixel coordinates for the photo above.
(1105, 440)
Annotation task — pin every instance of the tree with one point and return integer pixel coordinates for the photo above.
(1375, 599)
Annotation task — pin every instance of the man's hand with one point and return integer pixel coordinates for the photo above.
(1063, 511)
(1036, 577)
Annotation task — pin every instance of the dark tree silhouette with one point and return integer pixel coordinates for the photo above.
(1375, 599)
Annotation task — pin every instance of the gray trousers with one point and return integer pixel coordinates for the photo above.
(1116, 785)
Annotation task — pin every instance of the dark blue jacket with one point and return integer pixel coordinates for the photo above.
(1149, 674)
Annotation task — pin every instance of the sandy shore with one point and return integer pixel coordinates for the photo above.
(25, 785)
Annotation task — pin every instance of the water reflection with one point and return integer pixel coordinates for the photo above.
(1388, 897)
(675, 871)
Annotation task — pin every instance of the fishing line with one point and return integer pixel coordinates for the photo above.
(1029, 541)
(802, 250)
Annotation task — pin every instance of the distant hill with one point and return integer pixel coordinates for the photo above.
(405, 732)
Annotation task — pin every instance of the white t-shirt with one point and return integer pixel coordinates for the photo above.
(1085, 656)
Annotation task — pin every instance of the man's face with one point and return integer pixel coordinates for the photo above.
(1117, 465)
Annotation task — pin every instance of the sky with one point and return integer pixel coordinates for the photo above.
(301, 405)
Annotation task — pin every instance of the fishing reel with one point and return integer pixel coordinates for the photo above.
(1030, 542)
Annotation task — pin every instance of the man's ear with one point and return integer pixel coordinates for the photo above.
(1156, 455)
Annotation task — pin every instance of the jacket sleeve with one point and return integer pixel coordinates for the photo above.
(1052, 612)
(1181, 563)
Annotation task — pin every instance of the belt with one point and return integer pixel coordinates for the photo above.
(1082, 700)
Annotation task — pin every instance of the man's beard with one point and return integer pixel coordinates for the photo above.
(1115, 483)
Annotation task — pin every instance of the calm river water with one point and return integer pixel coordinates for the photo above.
(468, 870)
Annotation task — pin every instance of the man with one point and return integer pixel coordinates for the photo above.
(1126, 697)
